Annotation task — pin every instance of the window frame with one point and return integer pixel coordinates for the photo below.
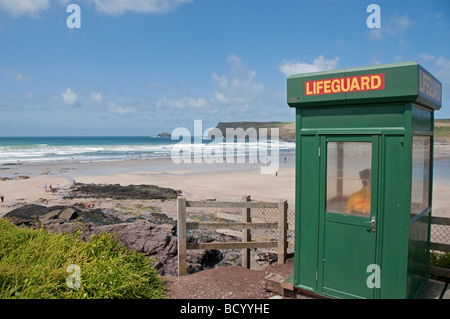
(374, 139)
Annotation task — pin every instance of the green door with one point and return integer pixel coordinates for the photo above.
(348, 215)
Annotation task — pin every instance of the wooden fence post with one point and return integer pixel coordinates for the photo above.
(181, 229)
(282, 232)
(246, 234)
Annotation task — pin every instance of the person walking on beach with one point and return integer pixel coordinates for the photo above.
(2, 197)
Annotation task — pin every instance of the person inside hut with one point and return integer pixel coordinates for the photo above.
(359, 202)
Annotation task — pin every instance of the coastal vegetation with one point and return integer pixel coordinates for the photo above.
(287, 129)
(35, 264)
(442, 128)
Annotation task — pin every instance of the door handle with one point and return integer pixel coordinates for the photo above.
(373, 223)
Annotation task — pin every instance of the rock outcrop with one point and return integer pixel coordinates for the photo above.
(120, 192)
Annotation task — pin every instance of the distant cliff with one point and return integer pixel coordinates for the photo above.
(286, 129)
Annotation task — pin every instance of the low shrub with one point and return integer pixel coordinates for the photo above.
(36, 264)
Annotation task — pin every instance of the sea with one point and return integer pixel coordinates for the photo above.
(62, 149)
(53, 149)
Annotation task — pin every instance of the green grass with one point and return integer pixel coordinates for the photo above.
(34, 262)
(442, 131)
(440, 259)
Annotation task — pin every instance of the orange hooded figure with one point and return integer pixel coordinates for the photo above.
(360, 201)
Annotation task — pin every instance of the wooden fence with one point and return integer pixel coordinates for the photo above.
(245, 226)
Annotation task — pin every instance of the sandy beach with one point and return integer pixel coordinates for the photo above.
(196, 181)
(25, 183)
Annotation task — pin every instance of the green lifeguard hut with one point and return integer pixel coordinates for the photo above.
(364, 179)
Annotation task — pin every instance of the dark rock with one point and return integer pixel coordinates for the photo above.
(212, 258)
(144, 237)
(49, 216)
(117, 191)
(68, 214)
(29, 212)
(98, 217)
(164, 135)
(193, 268)
(267, 257)
(231, 257)
(33, 212)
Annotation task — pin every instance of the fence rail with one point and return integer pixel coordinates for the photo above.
(245, 226)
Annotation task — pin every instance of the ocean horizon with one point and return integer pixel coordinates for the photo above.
(40, 149)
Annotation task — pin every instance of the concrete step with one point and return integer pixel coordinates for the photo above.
(432, 290)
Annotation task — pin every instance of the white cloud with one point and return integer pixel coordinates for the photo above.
(426, 57)
(16, 75)
(110, 7)
(24, 7)
(69, 97)
(238, 89)
(443, 73)
(395, 25)
(319, 64)
(117, 7)
(96, 97)
(376, 34)
(234, 93)
(441, 65)
(187, 105)
(119, 109)
(183, 103)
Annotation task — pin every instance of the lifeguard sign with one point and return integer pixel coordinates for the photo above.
(350, 84)
(364, 179)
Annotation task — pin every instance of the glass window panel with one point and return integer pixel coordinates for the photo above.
(349, 167)
(420, 183)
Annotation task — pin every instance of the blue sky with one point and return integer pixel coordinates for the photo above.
(140, 67)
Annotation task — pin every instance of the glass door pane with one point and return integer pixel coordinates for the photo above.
(349, 177)
(420, 185)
